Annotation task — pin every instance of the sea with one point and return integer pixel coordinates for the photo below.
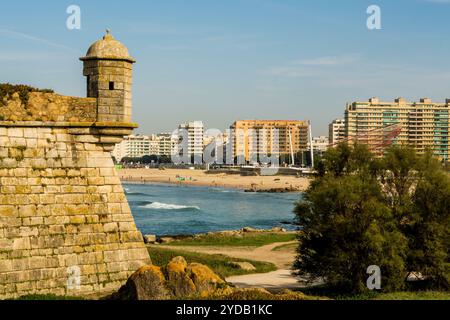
(164, 209)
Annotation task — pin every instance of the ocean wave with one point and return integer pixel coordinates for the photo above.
(134, 193)
(139, 203)
(166, 206)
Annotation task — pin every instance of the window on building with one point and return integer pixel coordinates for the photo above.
(111, 85)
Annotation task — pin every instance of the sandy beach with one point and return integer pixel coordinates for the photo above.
(201, 178)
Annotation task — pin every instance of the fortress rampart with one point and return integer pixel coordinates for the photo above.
(65, 225)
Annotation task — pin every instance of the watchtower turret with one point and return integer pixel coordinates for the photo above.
(108, 67)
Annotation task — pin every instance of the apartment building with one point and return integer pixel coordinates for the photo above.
(154, 145)
(336, 131)
(320, 144)
(167, 144)
(215, 149)
(191, 135)
(134, 146)
(422, 125)
(253, 139)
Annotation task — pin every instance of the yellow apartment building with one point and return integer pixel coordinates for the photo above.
(253, 139)
(422, 125)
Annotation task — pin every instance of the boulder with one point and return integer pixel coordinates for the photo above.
(205, 280)
(178, 280)
(150, 239)
(247, 266)
(225, 233)
(278, 229)
(148, 283)
(166, 239)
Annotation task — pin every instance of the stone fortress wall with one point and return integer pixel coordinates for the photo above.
(65, 225)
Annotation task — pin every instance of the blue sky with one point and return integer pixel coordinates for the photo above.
(222, 60)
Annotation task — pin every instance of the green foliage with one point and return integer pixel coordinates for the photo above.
(262, 295)
(362, 211)
(48, 297)
(220, 264)
(324, 291)
(286, 247)
(165, 159)
(147, 160)
(245, 240)
(7, 90)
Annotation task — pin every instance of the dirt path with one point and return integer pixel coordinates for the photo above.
(272, 281)
(282, 259)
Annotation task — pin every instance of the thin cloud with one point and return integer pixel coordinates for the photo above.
(22, 56)
(309, 67)
(20, 35)
(289, 72)
(326, 61)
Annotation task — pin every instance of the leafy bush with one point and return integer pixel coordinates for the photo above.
(390, 212)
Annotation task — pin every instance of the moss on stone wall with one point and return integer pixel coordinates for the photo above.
(7, 90)
(24, 103)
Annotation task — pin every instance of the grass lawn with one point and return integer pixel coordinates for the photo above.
(220, 264)
(286, 247)
(404, 295)
(246, 240)
(421, 295)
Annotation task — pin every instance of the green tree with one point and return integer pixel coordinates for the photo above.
(347, 226)
(165, 159)
(361, 211)
(428, 227)
(418, 190)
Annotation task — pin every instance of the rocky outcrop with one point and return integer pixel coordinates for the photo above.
(177, 280)
(180, 280)
(205, 280)
(148, 283)
(150, 239)
(247, 266)
(273, 190)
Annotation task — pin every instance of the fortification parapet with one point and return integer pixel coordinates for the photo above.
(65, 225)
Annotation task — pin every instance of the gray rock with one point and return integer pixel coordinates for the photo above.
(166, 240)
(278, 229)
(247, 266)
(148, 283)
(150, 239)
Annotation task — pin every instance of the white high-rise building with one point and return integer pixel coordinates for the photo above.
(336, 131)
(215, 148)
(191, 140)
(134, 146)
(120, 151)
(154, 149)
(167, 144)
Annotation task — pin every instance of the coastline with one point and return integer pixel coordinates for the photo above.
(219, 180)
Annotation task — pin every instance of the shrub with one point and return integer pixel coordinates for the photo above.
(390, 212)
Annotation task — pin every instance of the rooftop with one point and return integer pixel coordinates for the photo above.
(108, 48)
